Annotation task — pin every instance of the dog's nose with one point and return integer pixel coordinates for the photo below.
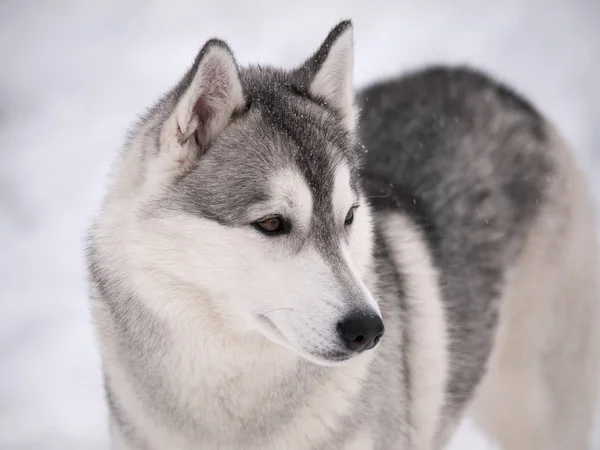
(361, 332)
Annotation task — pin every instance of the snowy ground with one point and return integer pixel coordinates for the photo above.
(74, 75)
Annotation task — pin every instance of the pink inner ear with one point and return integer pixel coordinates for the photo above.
(204, 112)
(216, 88)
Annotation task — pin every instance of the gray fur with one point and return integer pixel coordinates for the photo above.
(465, 160)
(473, 159)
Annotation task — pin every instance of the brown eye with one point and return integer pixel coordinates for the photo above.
(350, 216)
(271, 225)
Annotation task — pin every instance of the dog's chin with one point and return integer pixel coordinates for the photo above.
(326, 359)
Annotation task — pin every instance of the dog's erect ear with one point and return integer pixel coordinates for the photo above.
(330, 72)
(212, 93)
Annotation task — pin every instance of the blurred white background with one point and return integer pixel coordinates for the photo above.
(74, 75)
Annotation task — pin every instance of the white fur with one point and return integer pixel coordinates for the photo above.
(205, 388)
(333, 81)
(343, 198)
(428, 354)
(363, 441)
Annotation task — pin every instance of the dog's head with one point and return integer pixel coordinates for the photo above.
(249, 188)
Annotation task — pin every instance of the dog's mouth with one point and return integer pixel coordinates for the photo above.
(336, 357)
(270, 325)
(324, 359)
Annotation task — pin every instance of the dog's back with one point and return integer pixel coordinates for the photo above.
(509, 224)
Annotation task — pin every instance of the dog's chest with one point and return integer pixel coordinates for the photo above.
(273, 405)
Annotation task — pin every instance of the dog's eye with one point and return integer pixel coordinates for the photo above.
(271, 225)
(350, 216)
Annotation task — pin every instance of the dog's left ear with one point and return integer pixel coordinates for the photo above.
(330, 70)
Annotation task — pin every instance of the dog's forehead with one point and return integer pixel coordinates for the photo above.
(290, 188)
(318, 168)
(307, 135)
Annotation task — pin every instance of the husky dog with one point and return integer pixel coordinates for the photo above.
(279, 264)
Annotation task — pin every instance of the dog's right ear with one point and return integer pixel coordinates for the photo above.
(210, 92)
(328, 73)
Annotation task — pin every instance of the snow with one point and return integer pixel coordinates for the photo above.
(75, 74)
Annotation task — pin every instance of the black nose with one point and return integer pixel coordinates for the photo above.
(361, 332)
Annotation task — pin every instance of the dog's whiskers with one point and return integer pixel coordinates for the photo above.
(277, 309)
